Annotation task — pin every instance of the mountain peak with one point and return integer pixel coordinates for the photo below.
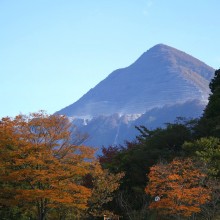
(161, 76)
(162, 47)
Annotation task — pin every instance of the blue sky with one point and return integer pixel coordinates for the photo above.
(52, 51)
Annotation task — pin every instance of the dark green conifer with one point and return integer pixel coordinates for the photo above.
(209, 124)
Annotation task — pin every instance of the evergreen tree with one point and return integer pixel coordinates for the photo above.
(209, 124)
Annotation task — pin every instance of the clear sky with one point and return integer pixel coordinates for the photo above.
(53, 51)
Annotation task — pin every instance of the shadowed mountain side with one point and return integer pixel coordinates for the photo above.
(115, 129)
(161, 76)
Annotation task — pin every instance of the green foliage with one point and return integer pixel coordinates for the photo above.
(215, 83)
(208, 150)
(103, 184)
(166, 142)
(12, 213)
(209, 124)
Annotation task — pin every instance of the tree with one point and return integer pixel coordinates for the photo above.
(108, 156)
(209, 124)
(213, 107)
(208, 151)
(177, 188)
(103, 185)
(40, 168)
(211, 210)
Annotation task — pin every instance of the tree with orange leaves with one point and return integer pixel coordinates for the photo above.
(177, 188)
(40, 168)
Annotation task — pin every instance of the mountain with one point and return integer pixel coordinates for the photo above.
(162, 80)
(105, 130)
(162, 75)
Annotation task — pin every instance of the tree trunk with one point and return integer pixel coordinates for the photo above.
(41, 210)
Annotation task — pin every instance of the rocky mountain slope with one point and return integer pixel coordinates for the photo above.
(162, 84)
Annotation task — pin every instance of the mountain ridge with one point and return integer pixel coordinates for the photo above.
(162, 84)
(175, 67)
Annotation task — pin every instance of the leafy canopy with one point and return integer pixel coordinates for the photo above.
(177, 187)
(40, 167)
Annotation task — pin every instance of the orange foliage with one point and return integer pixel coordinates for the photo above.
(39, 166)
(179, 187)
